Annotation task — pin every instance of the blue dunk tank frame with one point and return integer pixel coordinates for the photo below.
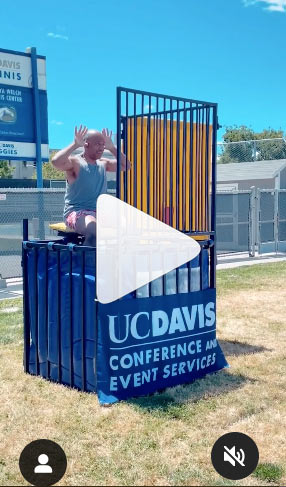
(164, 333)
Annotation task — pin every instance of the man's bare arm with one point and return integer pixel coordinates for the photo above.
(111, 164)
(62, 160)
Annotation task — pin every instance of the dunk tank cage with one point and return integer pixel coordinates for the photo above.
(164, 333)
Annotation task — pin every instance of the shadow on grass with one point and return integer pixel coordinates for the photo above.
(174, 402)
(234, 348)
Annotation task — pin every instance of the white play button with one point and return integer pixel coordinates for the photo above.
(134, 248)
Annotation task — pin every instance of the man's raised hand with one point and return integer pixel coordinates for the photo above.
(79, 135)
(107, 139)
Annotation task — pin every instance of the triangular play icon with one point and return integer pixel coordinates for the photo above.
(134, 248)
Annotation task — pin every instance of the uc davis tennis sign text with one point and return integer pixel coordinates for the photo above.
(19, 120)
(149, 344)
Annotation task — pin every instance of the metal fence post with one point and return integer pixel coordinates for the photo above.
(276, 219)
(252, 222)
(258, 226)
(235, 196)
(26, 337)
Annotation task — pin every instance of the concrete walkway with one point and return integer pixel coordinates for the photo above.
(228, 261)
(14, 287)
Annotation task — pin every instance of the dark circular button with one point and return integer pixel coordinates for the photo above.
(235, 456)
(43, 463)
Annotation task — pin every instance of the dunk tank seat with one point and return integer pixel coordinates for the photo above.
(67, 234)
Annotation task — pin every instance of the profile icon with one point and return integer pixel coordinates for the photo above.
(43, 466)
(43, 463)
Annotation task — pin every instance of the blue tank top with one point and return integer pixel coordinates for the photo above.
(82, 194)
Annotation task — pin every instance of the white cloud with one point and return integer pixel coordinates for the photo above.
(57, 36)
(147, 107)
(277, 8)
(271, 5)
(56, 122)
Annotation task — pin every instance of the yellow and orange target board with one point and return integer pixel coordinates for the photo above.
(170, 177)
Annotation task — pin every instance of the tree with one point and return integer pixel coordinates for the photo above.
(236, 134)
(268, 149)
(237, 152)
(252, 147)
(50, 172)
(6, 172)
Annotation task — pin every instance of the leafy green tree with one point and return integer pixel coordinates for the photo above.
(50, 172)
(268, 149)
(237, 134)
(6, 172)
(255, 149)
(237, 152)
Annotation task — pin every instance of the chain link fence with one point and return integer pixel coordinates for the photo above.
(247, 221)
(271, 220)
(251, 221)
(251, 150)
(40, 207)
(233, 221)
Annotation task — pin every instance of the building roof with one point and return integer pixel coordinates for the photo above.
(250, 170)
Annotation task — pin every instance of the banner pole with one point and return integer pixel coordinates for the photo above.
(38, 139)
(37, 117)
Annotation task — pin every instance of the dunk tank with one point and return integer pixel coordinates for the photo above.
(162, 333)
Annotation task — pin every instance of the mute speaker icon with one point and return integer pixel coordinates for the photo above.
(231, 456)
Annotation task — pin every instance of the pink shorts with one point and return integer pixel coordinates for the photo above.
(73, 217)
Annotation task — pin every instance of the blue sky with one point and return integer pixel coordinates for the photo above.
(227, 51)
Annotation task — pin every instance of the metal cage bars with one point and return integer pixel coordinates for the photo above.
(171, 145)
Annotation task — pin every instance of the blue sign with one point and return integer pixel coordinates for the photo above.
(23, 108)
(17, 119)
(148, 344)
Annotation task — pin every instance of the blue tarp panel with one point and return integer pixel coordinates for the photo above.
(60, 320)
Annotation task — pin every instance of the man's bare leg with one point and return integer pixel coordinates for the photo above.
(86, 225)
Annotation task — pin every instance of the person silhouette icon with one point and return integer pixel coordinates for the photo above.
(42, 462)
(43, 467)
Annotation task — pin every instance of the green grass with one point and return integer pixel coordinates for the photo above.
(269, 472)
(11, 324)
(9, 303)
(249, 277)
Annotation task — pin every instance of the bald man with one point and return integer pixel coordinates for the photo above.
(86, 178)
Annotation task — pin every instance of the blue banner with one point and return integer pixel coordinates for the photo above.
(17, 119)
(148, 344)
